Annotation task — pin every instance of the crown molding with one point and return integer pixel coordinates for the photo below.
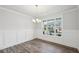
(13, 11)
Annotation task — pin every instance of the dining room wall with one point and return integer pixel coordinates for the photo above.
(15, 28)
(70, 28)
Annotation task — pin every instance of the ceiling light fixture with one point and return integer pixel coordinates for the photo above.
(36, 19)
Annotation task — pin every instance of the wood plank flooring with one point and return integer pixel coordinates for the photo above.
(37, 46)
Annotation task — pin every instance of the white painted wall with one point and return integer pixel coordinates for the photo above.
(15, 28)
(70, 29)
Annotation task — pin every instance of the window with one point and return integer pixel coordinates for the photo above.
(53, 27)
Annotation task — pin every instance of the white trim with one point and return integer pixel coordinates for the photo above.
(13, 11)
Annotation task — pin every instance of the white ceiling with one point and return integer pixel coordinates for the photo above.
(41, 11)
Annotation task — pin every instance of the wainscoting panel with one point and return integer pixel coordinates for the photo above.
(69, 38)
(29, 35)
(20, 36)
(10, 38)
(1, 40)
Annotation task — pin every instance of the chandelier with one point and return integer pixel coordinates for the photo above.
(36, 19)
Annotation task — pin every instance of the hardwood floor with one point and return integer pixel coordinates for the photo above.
(38, 46)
